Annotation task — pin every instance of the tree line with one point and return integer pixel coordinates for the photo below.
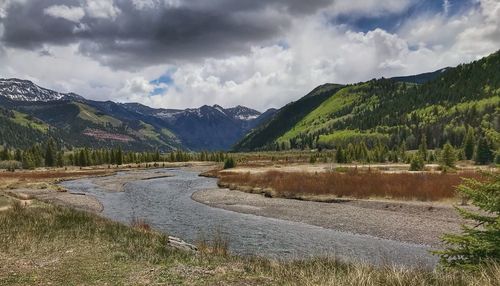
(50, 155)
(476, 148)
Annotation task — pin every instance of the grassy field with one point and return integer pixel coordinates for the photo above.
(4, 201)
(24, 120)
(351, 184)
(43, 244)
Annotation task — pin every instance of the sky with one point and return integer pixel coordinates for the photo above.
(255, 53)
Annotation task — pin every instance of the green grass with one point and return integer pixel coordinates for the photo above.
(24, 120)
(4, 201)
(43, 245)
(320, 117)
(90, 114)
(344, 137)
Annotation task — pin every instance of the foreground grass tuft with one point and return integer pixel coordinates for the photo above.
(44, 244)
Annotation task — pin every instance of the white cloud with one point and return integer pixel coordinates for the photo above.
(138, 87)
(273, 75)
(73, 14)
(102, 9)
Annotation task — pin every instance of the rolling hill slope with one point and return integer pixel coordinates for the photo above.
(440, 105)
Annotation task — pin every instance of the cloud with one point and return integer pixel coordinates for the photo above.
(73, 14)
(118, 33)
(105, 9)
(256, 53)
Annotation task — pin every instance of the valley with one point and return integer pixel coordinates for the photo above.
(362, 176)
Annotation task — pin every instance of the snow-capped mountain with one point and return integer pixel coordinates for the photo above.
(79, 121)
(243, 113)
(27, 91)
(207, 127)
(237, 113)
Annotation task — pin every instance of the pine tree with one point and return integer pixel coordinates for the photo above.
(60, 159)
(483, 152)
(469, 144)
(82, 159)
(18, 156)
(28, 161)
(481, 243)
(50, 160)
(448, 156)
(422, 148)
(340, 155)
(119, 156)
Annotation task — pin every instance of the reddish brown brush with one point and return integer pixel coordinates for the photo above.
(355, 184)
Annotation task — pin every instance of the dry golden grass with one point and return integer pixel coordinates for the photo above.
(354, 184)
(46, 245)
(43, 178)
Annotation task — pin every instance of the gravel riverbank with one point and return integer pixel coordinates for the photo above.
(415, 222)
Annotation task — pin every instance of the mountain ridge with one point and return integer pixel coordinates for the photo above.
(439, 105)
(79, 120)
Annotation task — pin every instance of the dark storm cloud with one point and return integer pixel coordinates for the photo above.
(156, 34)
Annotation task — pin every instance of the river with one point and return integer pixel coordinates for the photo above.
(166, 204)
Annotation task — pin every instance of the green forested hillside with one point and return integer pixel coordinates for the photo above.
(287, 117)
(77, 124)
(394, 112)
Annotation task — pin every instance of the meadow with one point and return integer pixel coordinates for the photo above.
(43, 244)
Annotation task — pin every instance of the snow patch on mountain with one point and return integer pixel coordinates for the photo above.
(25, 90)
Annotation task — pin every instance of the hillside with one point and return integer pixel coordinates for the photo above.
(286, 118)
(31, 114)
(440, 105)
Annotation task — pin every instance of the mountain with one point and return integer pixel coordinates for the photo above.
(420, 78)
(30, 113)
(207, 127)
(24, 90)
(440, 105)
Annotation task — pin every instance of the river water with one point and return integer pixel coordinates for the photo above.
(166, 204)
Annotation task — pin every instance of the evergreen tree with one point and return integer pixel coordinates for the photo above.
(28, 161)
(469, 144)
(119, 156)
(484, 155)
(481, 243)
(60, 159)
(18, 156)
(5, 154)
(340, 155)
(50, 160)
(448, 156)
(422, 148)
(82, 159)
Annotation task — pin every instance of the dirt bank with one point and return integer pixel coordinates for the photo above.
(414, 222)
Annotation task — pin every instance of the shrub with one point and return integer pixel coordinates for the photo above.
(479, 244)
(417, 163)
(10, 165)
(353, 184)
(229, 163)
(312, 159)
